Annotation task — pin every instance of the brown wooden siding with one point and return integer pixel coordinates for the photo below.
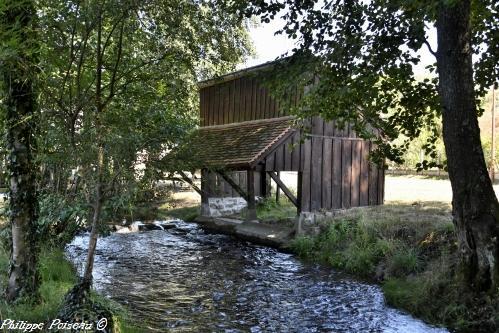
(238, 100)
(333, 163)
(337, 174)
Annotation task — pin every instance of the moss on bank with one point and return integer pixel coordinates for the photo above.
(411, 251)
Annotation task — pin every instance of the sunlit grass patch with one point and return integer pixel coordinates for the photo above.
(57, 277)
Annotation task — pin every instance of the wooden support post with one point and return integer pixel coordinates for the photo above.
(264, 186)
(251, 196)
(284, 188)
(277, 190)
(299, 190)
(205, 207)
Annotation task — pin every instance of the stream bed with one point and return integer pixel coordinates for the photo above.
(182, 279)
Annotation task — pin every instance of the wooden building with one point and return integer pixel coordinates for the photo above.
(245, 139)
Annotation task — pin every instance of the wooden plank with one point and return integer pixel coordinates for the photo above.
(268, 105)
(295, 153)
(202, 105)
(264, 189)
(261, 102)
(373, 182)
(237, 100)
(209, 94)
(317, 126)
(381, 185)
(364, 174)
(356, 164)
(336, 188)
(316, 174)
(211, 183)
(242, 101)
(327, 169)
(232, 85)
(220, 107)
(346, 173)
(243, 179)
(256, 175)
(329, 128)
(279, 158)
(226, 99)
(288, 152)
(246, 95)
(254, 103)
(249, 99)
(204, 186)
(284, 188)
(270, 162)
(306, 157)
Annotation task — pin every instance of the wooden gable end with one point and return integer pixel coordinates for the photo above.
(243, 98)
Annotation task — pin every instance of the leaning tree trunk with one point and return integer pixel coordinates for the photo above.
(20, 105)
(99, 107)
(474, 205)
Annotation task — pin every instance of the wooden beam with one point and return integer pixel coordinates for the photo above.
(299, 190)
(284, 188)
(251, 196)
(277, 191)
(264, 184)
(189, 181)
(234, 185)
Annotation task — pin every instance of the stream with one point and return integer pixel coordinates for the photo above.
(182, 279)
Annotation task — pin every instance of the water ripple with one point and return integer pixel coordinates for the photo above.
(183, 280)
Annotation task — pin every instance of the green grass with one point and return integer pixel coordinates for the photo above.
(269, 209)
(411, 251)
(187, 214)
(57, 277)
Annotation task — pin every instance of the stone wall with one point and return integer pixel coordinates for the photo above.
(223, 206)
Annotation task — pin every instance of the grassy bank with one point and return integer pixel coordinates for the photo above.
(57, 277)
(411, 251)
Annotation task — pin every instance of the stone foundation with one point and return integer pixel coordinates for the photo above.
(223, 206)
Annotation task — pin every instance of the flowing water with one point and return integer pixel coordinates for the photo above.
(182, 279)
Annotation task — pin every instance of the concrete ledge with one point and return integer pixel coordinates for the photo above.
(269, 235)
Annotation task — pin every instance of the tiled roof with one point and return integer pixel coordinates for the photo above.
(235, 145)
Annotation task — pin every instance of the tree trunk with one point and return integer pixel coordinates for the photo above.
(94, 234)
(475, 207)
(20, 105)
(92, 244)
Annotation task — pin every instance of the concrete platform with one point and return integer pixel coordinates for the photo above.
(277, 236)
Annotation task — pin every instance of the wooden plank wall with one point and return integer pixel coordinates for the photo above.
(338, 174)
(241, 99)
(334, 163)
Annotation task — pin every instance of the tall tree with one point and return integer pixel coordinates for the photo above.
(121, 88)
(364, 52)
(18, 60)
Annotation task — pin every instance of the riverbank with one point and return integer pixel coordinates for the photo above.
(410, 250)
(57, 277)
